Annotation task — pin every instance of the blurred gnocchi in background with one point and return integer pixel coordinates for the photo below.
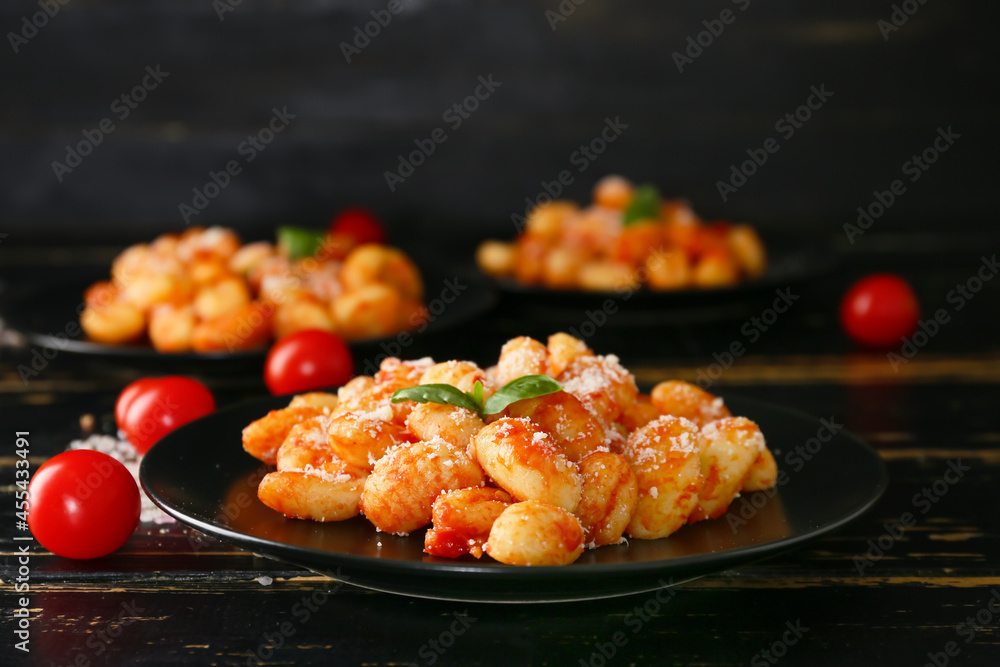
(626, 239)
(551, 474)
(205, 291)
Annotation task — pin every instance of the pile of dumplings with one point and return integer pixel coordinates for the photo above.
(205, 291)
(567, 247)
(536, 484)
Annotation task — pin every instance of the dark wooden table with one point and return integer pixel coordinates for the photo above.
(866, 595)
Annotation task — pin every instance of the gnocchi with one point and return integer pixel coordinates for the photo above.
(203, 291)
(665, 456)
(585, 463)
(526, 462)
(535, 533)
(628, 238)
(399, 494)
(463, 519)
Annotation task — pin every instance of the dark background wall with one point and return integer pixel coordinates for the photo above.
(605, 60)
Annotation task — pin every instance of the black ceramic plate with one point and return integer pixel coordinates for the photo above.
(201, 475)
(790, 263)
(45, 315)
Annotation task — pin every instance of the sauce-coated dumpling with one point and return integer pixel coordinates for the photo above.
(400, 492)
(362, 438)
(521, 356)
(526, 462)
(314, 494)
(683, 399)
(730, 448)
(317, 399)
(463, 520)
(534, 533)
(602, 384)
(263, 437)
(448, 422)
(664, 455)
(610, 495)
(563, 416)
(763, 473)
(563, 349)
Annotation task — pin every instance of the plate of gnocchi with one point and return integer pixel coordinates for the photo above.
(48, 317)
(547, 476)
(649, 260)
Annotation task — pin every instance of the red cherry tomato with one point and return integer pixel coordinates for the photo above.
(84, 504)
(359, 223)
(306, 360)
(879, 310)
(127, 395)
(148, 409)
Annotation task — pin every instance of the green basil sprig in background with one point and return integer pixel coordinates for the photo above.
(645, 205)
(300, 242)
(528, 386)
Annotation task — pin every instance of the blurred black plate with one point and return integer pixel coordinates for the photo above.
(791, 262)
(46, 316)
(201, 475)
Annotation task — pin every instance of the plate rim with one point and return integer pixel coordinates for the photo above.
(466, 570)
(822, 259)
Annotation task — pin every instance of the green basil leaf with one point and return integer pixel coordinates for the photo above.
(645, 205)
(529, 386)
(444, 394)
(477, 393)
(300, 242)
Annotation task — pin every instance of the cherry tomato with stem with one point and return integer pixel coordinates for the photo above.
(879, 310)
(307, 360)
(84, 504)
(150, 408)
(359, 223)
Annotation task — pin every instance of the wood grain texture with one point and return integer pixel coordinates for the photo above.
(170, 580)
(865, 595)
